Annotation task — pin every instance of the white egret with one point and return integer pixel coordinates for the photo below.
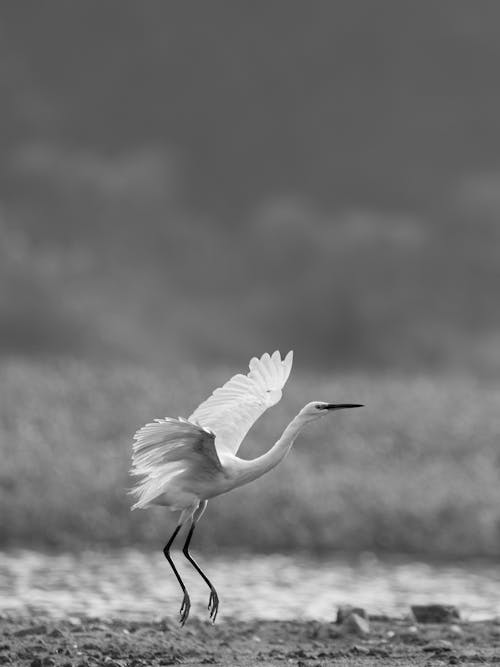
(185, 462)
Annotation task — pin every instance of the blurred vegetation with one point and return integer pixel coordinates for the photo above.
(416, 470)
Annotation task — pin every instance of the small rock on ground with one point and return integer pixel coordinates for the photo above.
(438, 646)
(435, 613)
(344, 611)
(357, 625)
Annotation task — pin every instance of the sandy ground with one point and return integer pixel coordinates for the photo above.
(75, 642)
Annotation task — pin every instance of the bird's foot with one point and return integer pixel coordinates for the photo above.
(213, 604)
(185, 608)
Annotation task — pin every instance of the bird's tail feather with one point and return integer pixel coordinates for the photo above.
(154, 484)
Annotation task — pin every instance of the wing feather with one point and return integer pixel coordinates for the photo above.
(232, 409)
(166, 448)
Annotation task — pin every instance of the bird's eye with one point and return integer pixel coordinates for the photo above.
(319, 406)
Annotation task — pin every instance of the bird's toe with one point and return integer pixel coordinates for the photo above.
(213, 605)
(185, 609)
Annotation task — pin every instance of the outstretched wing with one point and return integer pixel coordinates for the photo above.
(232, 409)
(166, 448)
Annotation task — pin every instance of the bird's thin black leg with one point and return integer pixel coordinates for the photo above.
(213, 602)
(186, 602)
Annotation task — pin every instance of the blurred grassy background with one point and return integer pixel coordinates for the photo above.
(415, 471)
(184, 185)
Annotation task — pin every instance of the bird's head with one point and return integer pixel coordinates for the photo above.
(317, 409)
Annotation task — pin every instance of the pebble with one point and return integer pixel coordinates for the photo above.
(410, 634)
(357, 625)
(344, 611)
(56, 633)
(455, 630)
(362, 650)
(438, 646)
(33, 630)
(435, 613)
(353, 620)
(326, 631)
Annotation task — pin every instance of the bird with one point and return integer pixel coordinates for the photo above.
(182, 463)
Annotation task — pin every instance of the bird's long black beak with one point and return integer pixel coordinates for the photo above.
(340, 406)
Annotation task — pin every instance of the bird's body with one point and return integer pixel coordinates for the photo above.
(185, 462)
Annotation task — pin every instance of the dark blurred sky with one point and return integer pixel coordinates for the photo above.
(319, 175)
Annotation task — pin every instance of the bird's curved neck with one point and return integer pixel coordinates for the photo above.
(259, 466)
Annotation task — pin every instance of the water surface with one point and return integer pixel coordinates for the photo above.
(136, 585)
